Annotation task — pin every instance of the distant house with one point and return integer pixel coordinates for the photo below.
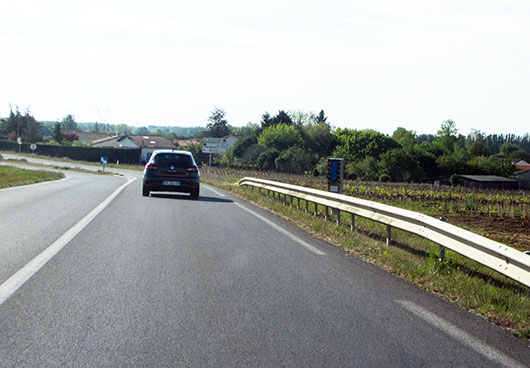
(487, 182)
(122, 141)
(522, 165)
(523, 177)
(86, 137)
(147, 144)
(184, 143)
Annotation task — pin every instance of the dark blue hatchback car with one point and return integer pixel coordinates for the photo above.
(172, 171)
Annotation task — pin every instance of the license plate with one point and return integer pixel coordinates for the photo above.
(173, 183)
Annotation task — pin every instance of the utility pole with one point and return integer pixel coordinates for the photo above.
(19, 139)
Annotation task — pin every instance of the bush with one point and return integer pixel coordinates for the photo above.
(266, 158)
(280, 137)
(293, 160)
(385, 178)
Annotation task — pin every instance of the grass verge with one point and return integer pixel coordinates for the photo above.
(57, 167)
(13, 176)
(470, 285)
(67, 160)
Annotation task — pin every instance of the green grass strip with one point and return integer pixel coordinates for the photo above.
(13, 176)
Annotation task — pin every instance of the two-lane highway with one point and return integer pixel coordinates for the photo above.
(169, 281)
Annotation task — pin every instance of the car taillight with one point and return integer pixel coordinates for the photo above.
(192, 169)
(151, 167)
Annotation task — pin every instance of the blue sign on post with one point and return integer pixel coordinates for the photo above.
(104, 161)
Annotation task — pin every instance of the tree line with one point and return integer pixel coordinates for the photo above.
(303, 141)
(297, 142)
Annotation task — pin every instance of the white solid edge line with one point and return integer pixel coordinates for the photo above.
(215, 191)
(36, 184)
(460, 335)
(12, 284)
(283, 231)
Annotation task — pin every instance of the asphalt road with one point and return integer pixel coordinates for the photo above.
(169, 281)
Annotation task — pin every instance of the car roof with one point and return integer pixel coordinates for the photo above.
(171, 151)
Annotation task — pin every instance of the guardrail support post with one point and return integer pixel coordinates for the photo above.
(268, 193)
(388, 234)
(298, 203)
(352, 226)
(326, 214)
(338, 216)
(306, 206)
(316, 209)
(442, 253)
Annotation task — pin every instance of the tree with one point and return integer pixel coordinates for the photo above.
(15, 123)
(481, 165)
(266, 159)
(242, 145)
(25, 126)
(407, 138)
(318, 140)
(123, 129)
(507, 148)
(446, 136)
(358, 144)
(321, 118)
(248, 130)
(366, 170)
(292, 160)
(218, 126)
(453, 162)
(280, 137)
(399, 164)
(33, 134)
(476, 144)
(142, 131)
(266, 121)
(281, 118)
(252, 153)
(68, 123)
(57, 134)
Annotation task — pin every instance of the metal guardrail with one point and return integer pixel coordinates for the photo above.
(497, 256)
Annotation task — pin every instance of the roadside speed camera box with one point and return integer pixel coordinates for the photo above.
(335, 174)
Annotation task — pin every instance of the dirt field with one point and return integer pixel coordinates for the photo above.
(514, 232)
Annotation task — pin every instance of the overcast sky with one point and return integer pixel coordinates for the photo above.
(367, 64)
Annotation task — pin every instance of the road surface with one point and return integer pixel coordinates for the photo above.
(167, 281)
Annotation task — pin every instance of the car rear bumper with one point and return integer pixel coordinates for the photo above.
(162, 184)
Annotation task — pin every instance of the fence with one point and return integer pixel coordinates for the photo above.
(124, 155)
(499, 257)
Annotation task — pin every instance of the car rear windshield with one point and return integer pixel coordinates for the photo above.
(175, 159)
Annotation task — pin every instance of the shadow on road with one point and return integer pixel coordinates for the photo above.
(186, 197)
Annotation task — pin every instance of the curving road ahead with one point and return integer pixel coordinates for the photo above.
(168, 281)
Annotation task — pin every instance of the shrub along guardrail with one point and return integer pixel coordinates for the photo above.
(124, 155)
(499, 257)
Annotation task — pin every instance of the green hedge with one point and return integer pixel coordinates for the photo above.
(91, 154)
